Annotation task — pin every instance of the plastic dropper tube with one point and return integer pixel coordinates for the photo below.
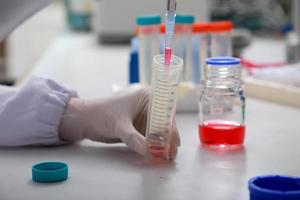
(170, 25)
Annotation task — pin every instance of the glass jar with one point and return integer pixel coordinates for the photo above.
(222, 104)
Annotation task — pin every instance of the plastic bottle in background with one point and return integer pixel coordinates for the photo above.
(220, 38)
(222, 104)
(183, 43)
(79, 14)
(292, 47)
(149, 44)
(200, 48)
(188, 91)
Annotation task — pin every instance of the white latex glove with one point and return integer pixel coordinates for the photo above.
(120, 118)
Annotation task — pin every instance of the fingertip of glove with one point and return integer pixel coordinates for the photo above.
(138, 144)
(173, 152)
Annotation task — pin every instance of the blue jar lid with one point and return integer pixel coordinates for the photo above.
(274, 187)
(148, 20)
(223, 61)
(49, 172)
(184, 19)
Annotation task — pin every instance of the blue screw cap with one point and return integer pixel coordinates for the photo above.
(148, 20)
(223, 61)
(184, 19)
(274, 187)
(49, 172)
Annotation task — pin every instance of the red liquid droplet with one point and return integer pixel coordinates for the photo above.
(157, 151)
(219, 133)
(168, 54)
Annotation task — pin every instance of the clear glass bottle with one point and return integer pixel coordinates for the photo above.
(222, 104)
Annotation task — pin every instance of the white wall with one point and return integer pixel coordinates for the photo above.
(109, 20)
(28, 42)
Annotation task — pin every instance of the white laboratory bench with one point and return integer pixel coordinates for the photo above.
(112, 172)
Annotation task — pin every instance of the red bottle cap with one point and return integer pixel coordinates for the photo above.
(200, 27)
(162, 28)
(221, 26)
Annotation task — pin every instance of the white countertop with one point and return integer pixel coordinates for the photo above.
(100, 171)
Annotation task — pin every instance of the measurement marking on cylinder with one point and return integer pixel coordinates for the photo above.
(162, 116)
(161, 108)
(162, 99)
(161, 104)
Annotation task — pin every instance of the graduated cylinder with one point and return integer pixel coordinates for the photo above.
(165, 80)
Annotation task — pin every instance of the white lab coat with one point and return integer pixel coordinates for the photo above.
(30, 115)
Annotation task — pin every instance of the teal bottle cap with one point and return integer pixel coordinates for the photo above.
(184, 19)
(148, 20)
(49, 172)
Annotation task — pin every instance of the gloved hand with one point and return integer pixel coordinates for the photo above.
(119, 118)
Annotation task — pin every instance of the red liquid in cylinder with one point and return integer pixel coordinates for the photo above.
(157, 151)
(221, 133)
(168, 55)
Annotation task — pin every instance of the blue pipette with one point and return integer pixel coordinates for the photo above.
(170, 25)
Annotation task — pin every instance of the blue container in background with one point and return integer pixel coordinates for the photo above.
(134, 61)
(79, 14)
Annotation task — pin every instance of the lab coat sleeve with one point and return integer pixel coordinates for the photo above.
(14, 12)
(31, 115)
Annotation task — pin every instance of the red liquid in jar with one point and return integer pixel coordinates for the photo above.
(157, 151)
(221, 133)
